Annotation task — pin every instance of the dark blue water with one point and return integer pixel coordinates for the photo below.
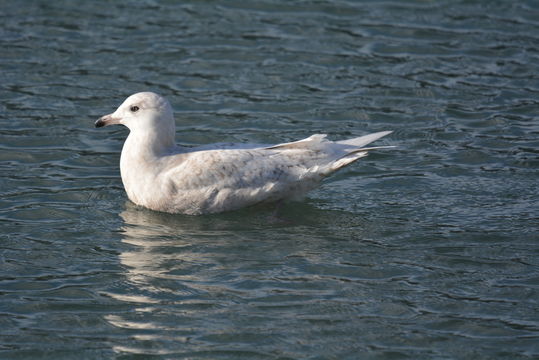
(429, 250)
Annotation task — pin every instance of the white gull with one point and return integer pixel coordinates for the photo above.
(161, 176)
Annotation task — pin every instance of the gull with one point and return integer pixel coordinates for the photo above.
(159, 175)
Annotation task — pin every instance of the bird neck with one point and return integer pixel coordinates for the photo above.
(148, 144)
(140, 163)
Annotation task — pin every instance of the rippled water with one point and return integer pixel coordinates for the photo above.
(426, 251)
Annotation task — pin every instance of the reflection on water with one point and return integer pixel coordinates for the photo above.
(224, 279)
(189, 251)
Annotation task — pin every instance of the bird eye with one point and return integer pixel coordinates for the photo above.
(134, 108)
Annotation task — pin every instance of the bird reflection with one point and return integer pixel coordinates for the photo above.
(167, 247)
(173, 264)
(191, 275)
(171, 255)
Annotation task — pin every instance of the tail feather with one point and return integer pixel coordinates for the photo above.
(342, 162)
(338, 153)
(355, 151)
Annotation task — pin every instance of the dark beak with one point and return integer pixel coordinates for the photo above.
(106, 120)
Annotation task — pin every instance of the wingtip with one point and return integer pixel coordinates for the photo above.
(364, 140)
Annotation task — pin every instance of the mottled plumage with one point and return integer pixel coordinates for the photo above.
(161, 176)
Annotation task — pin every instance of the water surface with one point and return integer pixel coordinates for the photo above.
(426, 251)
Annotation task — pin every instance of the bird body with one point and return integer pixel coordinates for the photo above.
(161, 176)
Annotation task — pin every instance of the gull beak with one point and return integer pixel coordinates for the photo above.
(106, 121)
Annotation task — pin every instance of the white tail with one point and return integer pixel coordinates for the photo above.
(353, 150)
